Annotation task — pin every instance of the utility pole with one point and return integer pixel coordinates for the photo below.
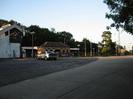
(99, 49)
(90, 48)
(116, 48)
(119, 42)
(85, 47)
(93, 51)
(132, 50)
(78, 49)
(32, 53)
(119, 47)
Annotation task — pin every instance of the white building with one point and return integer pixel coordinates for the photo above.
(10, 38)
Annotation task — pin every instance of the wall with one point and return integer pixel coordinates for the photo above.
(8, 50)
(4, 46)
(15, 50)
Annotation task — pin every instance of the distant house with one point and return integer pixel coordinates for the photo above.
(10, 41)
(60, 48)
(75, 51)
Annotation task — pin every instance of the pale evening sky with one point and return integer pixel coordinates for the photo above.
(82, 18)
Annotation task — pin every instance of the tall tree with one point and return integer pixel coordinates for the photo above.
(65, 37)
(41, 35)
(44, 34)
(108, 47)
(121, 12)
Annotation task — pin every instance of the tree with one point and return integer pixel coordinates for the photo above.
(108, 47)
(121, 12)
(65, 37)
(3, 22)
(41, 35)
(44, 34)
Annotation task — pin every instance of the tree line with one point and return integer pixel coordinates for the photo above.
(87, 48)
(42, 35)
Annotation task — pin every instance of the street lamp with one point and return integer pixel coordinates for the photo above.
(32, 33)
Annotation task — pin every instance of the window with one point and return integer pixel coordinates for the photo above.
(6, 33)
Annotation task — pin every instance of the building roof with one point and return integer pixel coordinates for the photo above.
(29, 47)
(74, 49)
(9, 27)
(55, 44)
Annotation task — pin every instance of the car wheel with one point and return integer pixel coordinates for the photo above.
(45, 58)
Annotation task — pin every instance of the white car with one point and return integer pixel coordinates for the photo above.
(47, 56)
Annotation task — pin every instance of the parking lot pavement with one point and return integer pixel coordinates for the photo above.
(108, 78)
(15, 70)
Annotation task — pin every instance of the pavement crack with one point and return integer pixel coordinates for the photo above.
(67, 92)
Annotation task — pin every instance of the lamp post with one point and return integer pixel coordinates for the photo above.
(32, 33)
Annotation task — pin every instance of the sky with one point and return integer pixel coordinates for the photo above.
(82, 18)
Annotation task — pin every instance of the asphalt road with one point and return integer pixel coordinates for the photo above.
(15, 70)
(106, 78)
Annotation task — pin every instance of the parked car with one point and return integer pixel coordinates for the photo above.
(47, 56)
